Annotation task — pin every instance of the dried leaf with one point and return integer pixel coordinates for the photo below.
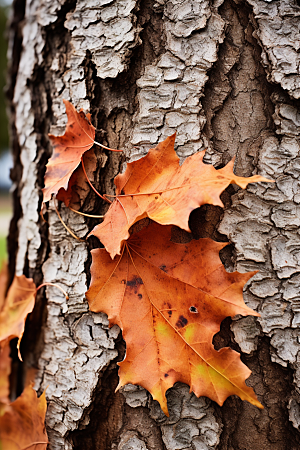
(3, 284)
(15, 307)
(22, 425)
(157, 187)
(68, 150)
(5, 369)
(78, 187)
(170, 299)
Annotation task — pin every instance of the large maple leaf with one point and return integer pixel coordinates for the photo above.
(22, 424)
(68, 150)
(157, 187)
(169, 299)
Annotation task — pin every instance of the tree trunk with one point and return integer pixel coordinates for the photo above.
(141, 69)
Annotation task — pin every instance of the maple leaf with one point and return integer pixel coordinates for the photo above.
(15, 307)
(78, 187)
(3, 283)
(170, 299)
(22, 424)
(68, 150)
(157, 187)
(5, 369)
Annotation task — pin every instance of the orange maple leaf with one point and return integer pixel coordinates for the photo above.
(68, 150)
(22, 424)
(157, 187)
(5, 369)
(78, 187)
(15, 307)
(3, 283)
(170, 299)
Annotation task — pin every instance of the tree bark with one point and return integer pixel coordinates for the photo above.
(225, 75)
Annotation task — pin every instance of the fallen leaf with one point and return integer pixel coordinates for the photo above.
(68, 150)
(15, 307)
(157, 187)
(78, 187)
(22, 424)
(3, 283)
(5, 369)
(170, 299)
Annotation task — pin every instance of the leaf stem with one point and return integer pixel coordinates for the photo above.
(84, 214)
(95, 190)
(55, 285)
(66, 227)
(107, 148)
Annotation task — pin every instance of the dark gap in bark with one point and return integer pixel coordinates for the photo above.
(225, 337)
(204, 223)
(15, 29)
(33, 340)
(105, 415)
(15, 378)
(280, 95)
(41, 126)
(247, 427)
(228, 257)
(237, 96)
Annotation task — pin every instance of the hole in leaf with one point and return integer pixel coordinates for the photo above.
(193, 309)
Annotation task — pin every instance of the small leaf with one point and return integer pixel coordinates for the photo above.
(3, 283)
(78, 187)
(5, 369)
(157, 187)
(170, 299)
(15, 307)
(68, 150)
(22, 424)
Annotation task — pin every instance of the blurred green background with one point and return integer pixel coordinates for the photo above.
(5, 158)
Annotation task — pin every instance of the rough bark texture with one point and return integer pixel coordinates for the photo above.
(141, 69)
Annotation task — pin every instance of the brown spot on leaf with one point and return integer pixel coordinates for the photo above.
(135, 282)
(181, 322)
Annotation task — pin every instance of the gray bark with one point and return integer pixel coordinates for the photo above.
(225, 75)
